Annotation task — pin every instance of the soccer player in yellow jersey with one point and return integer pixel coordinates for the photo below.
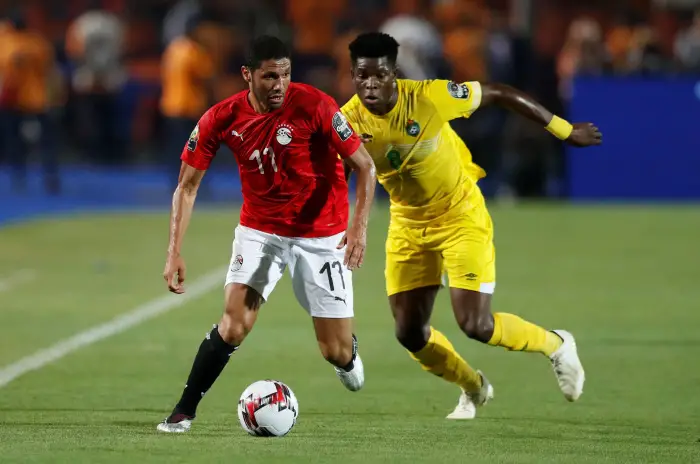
(439, 221)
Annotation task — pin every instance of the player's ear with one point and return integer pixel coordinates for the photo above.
(245, 72)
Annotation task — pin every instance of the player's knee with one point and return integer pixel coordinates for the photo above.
(233, 331)
(477, 326)
(411, 336)
(336, 352)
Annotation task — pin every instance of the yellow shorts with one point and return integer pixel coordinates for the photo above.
(461, 246)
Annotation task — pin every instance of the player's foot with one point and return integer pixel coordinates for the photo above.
(176, 423)
(469, 401)
(567, 367)
(353, 379)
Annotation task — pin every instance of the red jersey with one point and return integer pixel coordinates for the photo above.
(292, 178)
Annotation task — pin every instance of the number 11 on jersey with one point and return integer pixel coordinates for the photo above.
(256, 156)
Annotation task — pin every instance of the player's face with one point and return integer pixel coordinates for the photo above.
(270, 81)
(375, 80)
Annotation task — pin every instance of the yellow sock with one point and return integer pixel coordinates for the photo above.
(440, 358)
(516, 334)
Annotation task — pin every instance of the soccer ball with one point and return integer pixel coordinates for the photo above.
(268, 408)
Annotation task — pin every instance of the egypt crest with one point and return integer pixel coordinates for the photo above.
(284, 134)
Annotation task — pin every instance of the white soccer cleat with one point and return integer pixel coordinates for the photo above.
(468, 402)
(567, 367)
(176, 423)
(353, 379)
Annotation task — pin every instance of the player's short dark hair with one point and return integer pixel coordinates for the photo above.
(263, 48)
(374, 45)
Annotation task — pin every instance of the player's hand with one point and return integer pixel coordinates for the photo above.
(585, 134)
(355, 242)
(174, 273)
(366, 138)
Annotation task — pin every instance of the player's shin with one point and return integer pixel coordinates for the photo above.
(439, 357)
(211, 358)
(516, 334)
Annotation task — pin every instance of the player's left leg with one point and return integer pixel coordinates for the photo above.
(257, 263)
(323, 286)
(470, 263)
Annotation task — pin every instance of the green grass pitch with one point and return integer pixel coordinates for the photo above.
(624, 280)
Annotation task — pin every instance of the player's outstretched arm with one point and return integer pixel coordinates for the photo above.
(183, 203)
(578, 134)
(355, 238)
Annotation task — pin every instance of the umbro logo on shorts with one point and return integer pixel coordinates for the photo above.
(471, 276)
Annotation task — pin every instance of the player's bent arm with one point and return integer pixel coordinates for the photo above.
(523, 104)
(183, 203)
(361, 163)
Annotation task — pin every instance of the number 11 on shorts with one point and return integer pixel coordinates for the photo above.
(327, 268)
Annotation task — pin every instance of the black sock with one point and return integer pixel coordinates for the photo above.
(212, 357)
(351, 365)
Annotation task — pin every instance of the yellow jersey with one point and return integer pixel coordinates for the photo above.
(421, 162)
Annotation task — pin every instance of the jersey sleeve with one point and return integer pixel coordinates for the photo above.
(454, 100)
(203, 143)
(335, 126)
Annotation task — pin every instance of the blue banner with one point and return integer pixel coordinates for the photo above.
(651, 139)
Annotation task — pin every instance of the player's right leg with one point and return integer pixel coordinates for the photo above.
(257, 264)
(413, 279)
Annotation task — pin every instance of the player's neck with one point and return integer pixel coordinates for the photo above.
(257, 105)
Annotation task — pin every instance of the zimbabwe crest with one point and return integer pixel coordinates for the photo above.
(412, 128)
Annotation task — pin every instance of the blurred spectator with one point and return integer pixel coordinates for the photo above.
(187, 71)
(94, 43)
(687, 45)
(618, 43)
(646, 55)
(420, 51)
(582, 53)
(177, 18)
(29, 72)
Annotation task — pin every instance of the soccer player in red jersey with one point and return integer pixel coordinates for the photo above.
(287, 138)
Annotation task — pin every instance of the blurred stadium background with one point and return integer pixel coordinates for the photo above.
(98, 113)
(97, 99)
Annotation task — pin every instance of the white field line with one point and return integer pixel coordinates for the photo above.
(17, 278)
(117, 325)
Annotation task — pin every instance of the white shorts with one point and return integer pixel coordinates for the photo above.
(321, 283)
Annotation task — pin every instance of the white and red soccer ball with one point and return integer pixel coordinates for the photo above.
(268, 408)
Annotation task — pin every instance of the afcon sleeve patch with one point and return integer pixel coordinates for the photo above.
(341, 126)
(460, 91)
(194, 137)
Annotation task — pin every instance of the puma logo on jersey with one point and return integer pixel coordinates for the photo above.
(236, 134)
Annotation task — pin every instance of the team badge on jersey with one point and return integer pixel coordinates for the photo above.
(284, 134)
(458, 90)
(412, 128)
(194, 137)
(341, 126)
